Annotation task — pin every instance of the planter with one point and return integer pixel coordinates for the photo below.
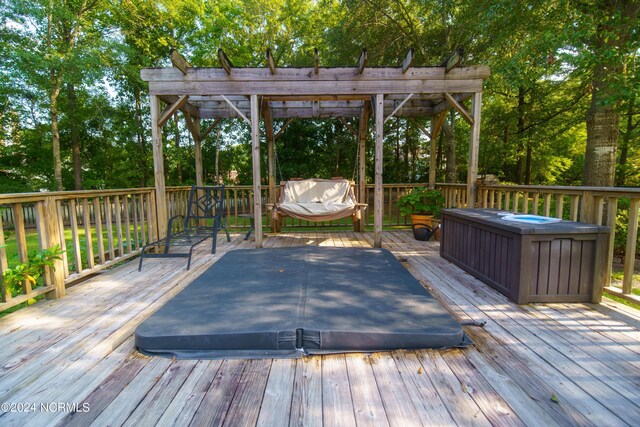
(422, 219)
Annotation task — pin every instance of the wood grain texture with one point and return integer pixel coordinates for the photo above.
(585, 356)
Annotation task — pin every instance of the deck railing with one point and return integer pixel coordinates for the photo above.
(98, 229)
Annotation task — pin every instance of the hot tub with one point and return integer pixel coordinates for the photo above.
(528, 258)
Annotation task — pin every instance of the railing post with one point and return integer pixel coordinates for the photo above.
(630, 251)
(588, 202)
(49, 236)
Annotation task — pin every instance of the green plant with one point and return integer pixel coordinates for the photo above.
(31, 270)
(421, 201)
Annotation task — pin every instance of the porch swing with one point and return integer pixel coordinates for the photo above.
(315, 199)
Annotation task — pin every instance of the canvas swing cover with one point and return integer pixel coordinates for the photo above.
(318, 199)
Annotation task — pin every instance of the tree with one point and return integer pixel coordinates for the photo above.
(611, 29)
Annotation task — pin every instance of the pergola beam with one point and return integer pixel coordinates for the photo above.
(236, 109)
(271, 63)
(316, 61)
(453, 60)
(408, 61)
(224, 62)
(179, 61)
(207, 131)
(459, 108)
(362, 62)
(195, 131)
(404, 101)
(171, 110)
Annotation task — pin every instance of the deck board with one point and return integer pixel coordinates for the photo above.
(542, 364)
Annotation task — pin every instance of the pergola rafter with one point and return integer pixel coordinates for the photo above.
(287, 93)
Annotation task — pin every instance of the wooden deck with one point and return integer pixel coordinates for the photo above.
(538, 365)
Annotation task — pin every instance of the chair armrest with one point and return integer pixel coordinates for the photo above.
(170, 224)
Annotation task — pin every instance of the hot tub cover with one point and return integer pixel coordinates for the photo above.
(287, 302)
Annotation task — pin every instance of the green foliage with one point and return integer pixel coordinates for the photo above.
(32, 270)
(622, 219)
(421, 201)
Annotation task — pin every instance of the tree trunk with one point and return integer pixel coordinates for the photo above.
(520, 132)
(55, 134)
(603, 119)
(527, 167)
(75, 136)
(217, 166)
(178, 154)
(602, 134)
(448, 130)
(621, 177)
(141, 142)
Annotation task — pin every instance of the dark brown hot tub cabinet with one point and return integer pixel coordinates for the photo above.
(556, 262)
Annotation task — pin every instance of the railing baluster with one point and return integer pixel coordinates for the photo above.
(75, 238)
(630, 251)
(5, 295)
(575, 204)
(118, 212)
(612, 209)
(63, 240)
(559, 205)
(534, 203)
(109, 225)
(86, 218)
(525, 202)
(547, 204)
(98, 221)
(21, 240)
(134, 211)
(127, 223)
(143, 228)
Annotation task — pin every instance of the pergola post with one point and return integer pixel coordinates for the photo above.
(197, 139)
(432, 155)
(362, 160)
(255, 155)
(474, 148)
(158, 168)
(377, 198)
(268, 127)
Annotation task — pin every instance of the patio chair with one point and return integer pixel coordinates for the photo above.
(203, 220)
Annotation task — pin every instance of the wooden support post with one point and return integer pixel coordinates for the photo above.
(50, 237)
(432, 156)
(197, 143)
(268, 128)
(362, 160)
(630, 250)
(255, 145)
(474, 148)
(377, 195)
(158, 168)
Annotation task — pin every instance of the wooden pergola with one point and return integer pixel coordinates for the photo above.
(313, 92)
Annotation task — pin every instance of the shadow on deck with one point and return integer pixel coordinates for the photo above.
(544, 364)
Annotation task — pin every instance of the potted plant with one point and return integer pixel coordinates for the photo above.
(423, 204)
